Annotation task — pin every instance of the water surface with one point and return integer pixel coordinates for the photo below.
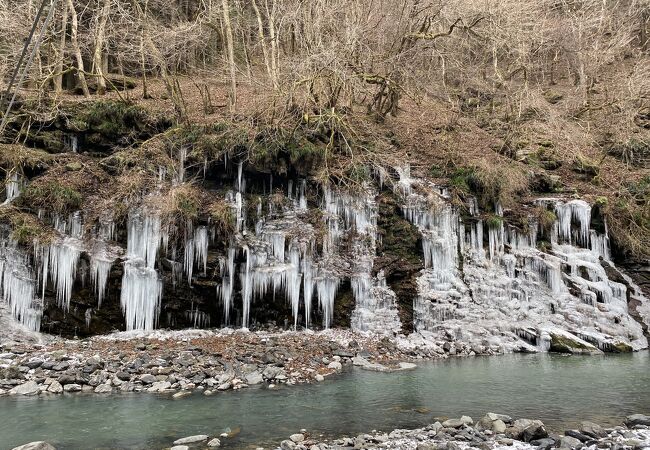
(560, 390)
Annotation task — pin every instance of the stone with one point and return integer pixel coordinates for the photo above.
(467, 420)
(569, 442)
(578, 435)
(318, 377)
(214, 443)
(254, 378)
(297, 438)
(499, 426)
(224, 387)
(55, 387)
(181, 394)
(335, 365)
(39, 445)
(527, 430)
(426, 446)
(191, 439)
(123, 376)
(637, 419)
(287, 445)
(103, 389)
(407, 366)
(72, 387)
(593, 430)
(180, 447)
(34, 363)
(159, 386)
(29, 388)
(147, 378)
(544, 444)
(453, 423)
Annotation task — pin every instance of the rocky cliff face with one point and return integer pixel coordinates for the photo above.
(392, 254)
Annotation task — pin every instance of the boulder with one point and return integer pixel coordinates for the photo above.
(297, 438)
(191, 439)
(499, 426)
(72, 387)
(29, 388)
(55, 387)
(159, 386)
(637, 419)
(527, 430)
(569, 442)
(180, 447)
(335, 365)
(103, 389)
(593, 430)
(453, 423)
(287, 444)
(254, 378)
(214, 443)
(39, 445)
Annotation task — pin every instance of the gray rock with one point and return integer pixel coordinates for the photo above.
(297, 438)
(181, 394)
(59, 367)
(72, 387)
(593, 430)
(224, 387)
(287, 445)
(569, 442)
(544, 444)
(191, 439)
(254, 378)
(147, 378)
(578, 435)
(55, 387)
(453, 423)
(29, 388)
(637, 419)
(214, 443)
(180, 447)
(34, 363)
(499, 426)
(407, 366)
(335, 365)
(39, 445)
(427, 446)
(159, 386)
(527, 430)
(103, 389)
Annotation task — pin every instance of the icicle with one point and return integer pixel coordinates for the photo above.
(144, 237)
(19, 287)
(227, 283)
(201, 247)
(188, 259)
(326, 288)
(13, 187)
(141, 295)
(99, 270)
(63, 258)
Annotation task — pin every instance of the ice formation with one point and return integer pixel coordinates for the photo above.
(514, 291)
(141, 287)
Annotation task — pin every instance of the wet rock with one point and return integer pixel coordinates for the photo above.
(593, 430)
(191, 439)
(63, 365)
(123, 376)
(637, 419)
(527, 430)
(147, 378)
(214, 443)
(29, 388)
(181, 394)
(39, 445)
(160, 386)
(578, 435)
(72, 387)
(180, 447)
(407, 366)
(499, 426)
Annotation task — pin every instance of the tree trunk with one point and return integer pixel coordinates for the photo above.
(58, 71)
(98, 65)
(231, 54)
(81, 77)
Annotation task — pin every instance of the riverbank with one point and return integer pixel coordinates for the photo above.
(493, 431)
(179, 362)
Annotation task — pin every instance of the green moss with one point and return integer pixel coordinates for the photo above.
(113, 119)
(52, 195)
(462, 179)
(564, 344)
(494, 221)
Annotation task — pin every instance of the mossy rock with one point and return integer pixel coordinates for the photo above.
(561, 343)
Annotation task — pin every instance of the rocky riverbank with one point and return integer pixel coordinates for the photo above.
(492, 432)
(180, 362)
